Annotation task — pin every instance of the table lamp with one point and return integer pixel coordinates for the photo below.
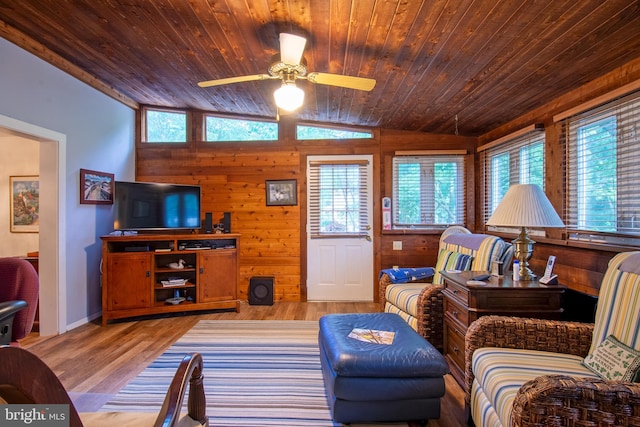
(525, 205)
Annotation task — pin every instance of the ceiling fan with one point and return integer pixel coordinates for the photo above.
(290, 66)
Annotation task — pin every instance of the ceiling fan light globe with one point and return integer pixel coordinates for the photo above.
(289, 97)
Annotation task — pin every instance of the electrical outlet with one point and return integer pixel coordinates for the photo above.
(397, 245)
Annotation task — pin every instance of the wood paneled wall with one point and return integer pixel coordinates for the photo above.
(273, 243)
(232, 178)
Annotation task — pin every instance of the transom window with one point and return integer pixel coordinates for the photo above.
(163, 126)
(428, 191)
(306, 132)
(222, 129)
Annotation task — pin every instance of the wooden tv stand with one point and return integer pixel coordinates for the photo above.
(134, 267)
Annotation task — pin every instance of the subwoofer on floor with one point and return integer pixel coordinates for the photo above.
(261, 290)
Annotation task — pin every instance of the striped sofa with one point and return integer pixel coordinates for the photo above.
(530, 372)
(420, 304)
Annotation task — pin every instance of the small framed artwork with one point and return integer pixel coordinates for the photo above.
(282, 192)
(24, 203)
(96, 188)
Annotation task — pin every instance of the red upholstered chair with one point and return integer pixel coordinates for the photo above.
(19, 282)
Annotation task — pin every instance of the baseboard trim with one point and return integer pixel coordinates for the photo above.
(83, 321)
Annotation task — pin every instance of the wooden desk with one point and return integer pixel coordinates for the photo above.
(464, 303)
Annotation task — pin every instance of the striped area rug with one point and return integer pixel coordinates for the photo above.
(256, 373)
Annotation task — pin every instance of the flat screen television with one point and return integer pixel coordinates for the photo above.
(154, 206)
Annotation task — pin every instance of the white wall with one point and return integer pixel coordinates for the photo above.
(99, 136)
(19, 157)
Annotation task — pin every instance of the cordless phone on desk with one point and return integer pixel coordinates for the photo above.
(549, 278)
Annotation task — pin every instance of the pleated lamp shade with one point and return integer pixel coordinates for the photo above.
(525, 205)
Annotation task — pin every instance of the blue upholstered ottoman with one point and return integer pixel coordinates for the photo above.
(373, 382)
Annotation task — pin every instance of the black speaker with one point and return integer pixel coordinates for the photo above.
(261, 291)
(226, 222)
(208, 223)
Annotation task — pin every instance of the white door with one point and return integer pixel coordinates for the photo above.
(339, 238)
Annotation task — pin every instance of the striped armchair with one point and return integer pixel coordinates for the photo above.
(530, 372)
(420, 303)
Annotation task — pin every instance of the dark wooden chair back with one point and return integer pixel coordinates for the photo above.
(26, 379)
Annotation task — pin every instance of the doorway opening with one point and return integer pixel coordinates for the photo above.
(52, 231)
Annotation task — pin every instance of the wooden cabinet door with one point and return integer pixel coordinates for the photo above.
(217, 275)
(130, 282)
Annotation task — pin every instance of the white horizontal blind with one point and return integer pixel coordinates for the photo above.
(603, 161)
(428, 191)
(516, 161)
(338, 199)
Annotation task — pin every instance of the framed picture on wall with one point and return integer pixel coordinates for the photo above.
(24, 203)
(96, 188)
(282, 192)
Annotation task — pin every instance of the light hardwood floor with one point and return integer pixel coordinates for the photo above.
(95, 362)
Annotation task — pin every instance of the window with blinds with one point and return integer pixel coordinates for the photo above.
(338, 199)
(428, 191)
(515, 161)
(603, 159)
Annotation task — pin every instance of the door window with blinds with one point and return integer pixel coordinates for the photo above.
(515, 161)
(428, 191)
(338, 199)
(603, 160)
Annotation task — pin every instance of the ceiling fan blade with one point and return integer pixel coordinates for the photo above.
(238, 79)
(359, 83)
(291, 48)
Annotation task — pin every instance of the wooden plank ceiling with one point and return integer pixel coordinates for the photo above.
(484, 61)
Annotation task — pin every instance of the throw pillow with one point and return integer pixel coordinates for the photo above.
(612, 360)
(450, 260)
